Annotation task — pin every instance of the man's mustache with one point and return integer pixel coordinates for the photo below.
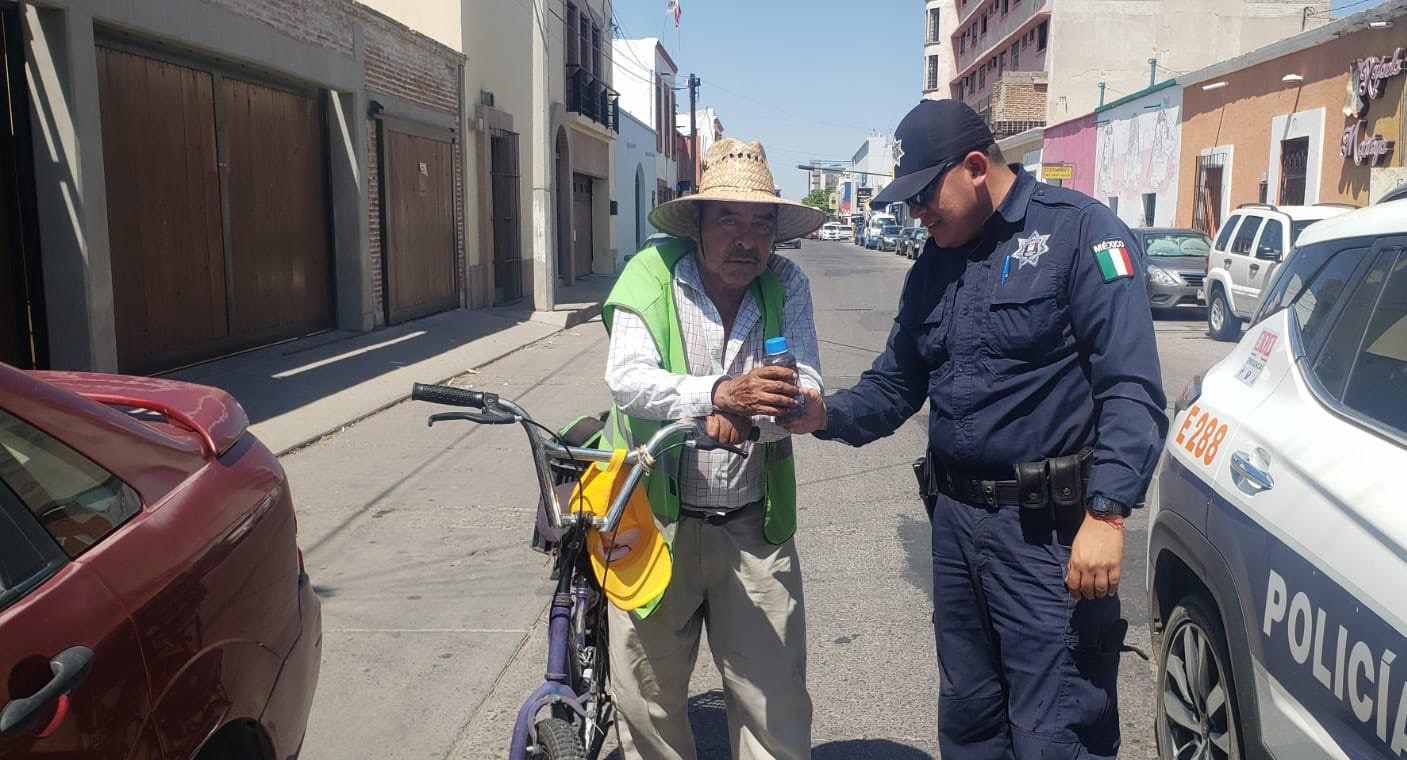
(750, 255)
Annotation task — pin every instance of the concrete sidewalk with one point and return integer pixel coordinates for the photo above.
(300, 390)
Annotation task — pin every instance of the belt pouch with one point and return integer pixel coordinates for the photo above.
(1031, 485)
(923, 472)
(1066, 481)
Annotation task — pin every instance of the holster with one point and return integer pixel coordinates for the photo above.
(927, 489)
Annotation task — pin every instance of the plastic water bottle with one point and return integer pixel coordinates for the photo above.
(778, 354)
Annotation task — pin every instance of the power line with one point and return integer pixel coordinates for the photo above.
(785, 113)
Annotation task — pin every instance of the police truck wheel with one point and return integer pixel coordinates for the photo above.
(1196, 709)
(1222, 323)
(558, 740)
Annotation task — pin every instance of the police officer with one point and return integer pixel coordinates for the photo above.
(1025, 323)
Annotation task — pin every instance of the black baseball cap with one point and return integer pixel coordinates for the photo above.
(934, 135)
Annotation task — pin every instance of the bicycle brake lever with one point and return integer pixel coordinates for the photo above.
(482, 418)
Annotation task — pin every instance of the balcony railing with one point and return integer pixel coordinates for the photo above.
(591, 97)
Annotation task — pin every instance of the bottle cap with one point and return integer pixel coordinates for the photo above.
(775, 345)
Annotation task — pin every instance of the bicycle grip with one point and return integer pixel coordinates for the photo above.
(451, 396)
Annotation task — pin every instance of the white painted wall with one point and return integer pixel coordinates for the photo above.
(1137, 148)
(635, 156)
(1287, 127)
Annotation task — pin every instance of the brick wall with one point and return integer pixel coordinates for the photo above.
(327, 23)
(1020, 96)
(373, 212)
(400, 61)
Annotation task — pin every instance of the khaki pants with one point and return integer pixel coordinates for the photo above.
(748, 594)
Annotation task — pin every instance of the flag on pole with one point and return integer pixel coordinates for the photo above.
(673, 8)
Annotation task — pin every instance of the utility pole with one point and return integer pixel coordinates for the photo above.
(1101, 93)
(694, 131)
(1152, 71)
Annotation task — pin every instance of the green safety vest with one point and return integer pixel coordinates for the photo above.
(646, 288)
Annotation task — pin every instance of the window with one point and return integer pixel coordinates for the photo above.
(1042, 35)
(1297, 227)
(932, 82)
(1006, 6)
(1317, 300)
(1246, 235)
(1294, 168)
(934, 16)
(573, 21)
(1334, 362)
(1016, 56)
(962, 42)
(24, 560)
(984, 22)
(75, 500)
(1380, 371)
(1224, 239)
(982, 77)
(1113, 204)
(1001, 62)
(1272, 241)
(596, 67)
(1289, 280)
(584, 58)
(1150, 205)
(660, 144)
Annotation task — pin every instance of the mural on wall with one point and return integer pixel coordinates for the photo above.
(1139, 154)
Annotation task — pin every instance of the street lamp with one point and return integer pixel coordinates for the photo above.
(838, 170)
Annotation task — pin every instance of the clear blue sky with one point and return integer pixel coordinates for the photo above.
(808, 79)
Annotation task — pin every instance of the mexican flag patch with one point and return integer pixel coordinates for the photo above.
(1114, 260)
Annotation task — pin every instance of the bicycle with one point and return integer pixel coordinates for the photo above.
(574, 693)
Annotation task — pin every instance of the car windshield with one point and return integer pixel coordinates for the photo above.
(1176, 244)
(890, 230)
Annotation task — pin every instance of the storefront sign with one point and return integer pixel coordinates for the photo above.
(1057, 171)
(1364, 148)
(1366, 77)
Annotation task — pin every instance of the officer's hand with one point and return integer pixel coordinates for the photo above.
(727, 429)
(1095, 558)
(812, 418)
(765, 391)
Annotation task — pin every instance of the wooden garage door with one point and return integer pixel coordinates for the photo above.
(217, 215)
(281, 255)
(163, 201)
(419, 263)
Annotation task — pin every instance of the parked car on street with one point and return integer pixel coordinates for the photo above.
(153, 601)
(1252, 243)
(846, 233)
(1176, 261)
(911, 242)
(793, 243)
(1276, 527)
(830, 231)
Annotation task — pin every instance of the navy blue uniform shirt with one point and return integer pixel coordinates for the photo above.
(1033, 341)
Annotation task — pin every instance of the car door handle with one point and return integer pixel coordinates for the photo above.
(1241, 465)
(1255, 268)
(69, 668)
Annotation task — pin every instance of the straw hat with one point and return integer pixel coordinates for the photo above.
(736, 172)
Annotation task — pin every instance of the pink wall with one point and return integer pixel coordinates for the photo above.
(1073, 142)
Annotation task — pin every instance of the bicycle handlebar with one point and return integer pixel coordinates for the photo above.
(495, 410)
(451, 396)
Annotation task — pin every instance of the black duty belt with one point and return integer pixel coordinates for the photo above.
(1058, 482)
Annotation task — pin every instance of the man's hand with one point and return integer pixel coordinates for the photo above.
(812, 418)
(1095, 558)
(727, 429)
(765, 391)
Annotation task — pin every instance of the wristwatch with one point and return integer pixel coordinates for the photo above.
(1103, 507)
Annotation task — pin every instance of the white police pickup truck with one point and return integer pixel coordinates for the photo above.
(1278, 523)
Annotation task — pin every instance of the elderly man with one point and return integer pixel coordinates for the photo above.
(687, 321)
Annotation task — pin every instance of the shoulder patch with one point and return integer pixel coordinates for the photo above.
(1114, 260)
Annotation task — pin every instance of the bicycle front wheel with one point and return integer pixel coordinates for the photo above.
(558, 739)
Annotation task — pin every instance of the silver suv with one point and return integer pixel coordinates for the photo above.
(1248, 250)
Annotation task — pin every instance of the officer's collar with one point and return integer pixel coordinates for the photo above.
(1018, 198)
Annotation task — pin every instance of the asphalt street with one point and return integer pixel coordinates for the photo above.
(434, 606)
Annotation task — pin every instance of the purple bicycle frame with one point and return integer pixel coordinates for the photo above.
(555, 688)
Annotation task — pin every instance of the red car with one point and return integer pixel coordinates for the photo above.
(153, 602)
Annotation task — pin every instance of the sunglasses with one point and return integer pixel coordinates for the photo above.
(922, 197)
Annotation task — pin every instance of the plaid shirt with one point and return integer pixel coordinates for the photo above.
(713, 480)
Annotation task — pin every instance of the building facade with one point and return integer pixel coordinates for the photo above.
(648, 82)
(1027, 63)
(633, 186)
(148, 147)
(1318, 118)
(938, 17)
(710, 130)
(1068, 154)
(1137, 149)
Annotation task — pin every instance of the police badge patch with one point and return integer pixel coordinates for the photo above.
(1029, 250)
